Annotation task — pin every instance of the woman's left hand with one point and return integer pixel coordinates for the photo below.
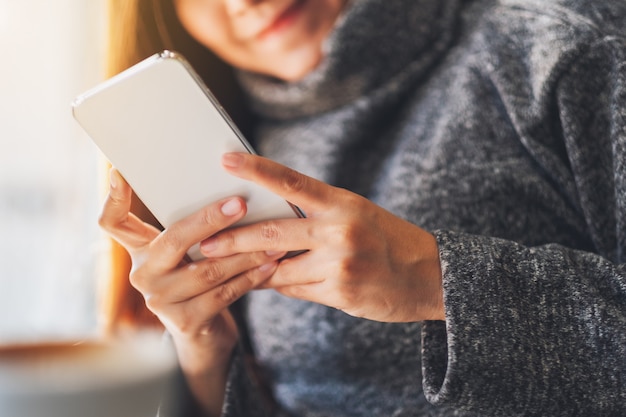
(359, 258)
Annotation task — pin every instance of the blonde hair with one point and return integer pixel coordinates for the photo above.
(138, 29)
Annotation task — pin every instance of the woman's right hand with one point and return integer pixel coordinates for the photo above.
(190, 299)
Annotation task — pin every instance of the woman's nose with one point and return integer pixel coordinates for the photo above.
(235, 7)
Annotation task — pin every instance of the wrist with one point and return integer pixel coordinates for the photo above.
(432, 277)
(205, 370)
(203, 354)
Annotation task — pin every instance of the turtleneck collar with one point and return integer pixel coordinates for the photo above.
(375, 45)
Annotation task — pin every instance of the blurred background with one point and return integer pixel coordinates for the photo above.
(51, 176)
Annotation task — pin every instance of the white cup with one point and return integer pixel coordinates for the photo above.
(90, 379)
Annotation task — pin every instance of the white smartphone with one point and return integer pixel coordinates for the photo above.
(161, 127)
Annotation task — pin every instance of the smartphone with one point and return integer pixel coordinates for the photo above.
(165, 132)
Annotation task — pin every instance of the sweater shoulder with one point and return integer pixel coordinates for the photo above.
(580, 19)
(525, 47)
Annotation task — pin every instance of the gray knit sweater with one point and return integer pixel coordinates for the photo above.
(500, 126)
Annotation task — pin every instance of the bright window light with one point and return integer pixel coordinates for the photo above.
(49, 171)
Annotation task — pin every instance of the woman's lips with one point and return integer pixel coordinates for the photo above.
(284, 19)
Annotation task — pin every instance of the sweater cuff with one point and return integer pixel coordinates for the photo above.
(463, 355)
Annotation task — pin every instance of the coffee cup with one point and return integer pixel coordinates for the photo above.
(114, 378)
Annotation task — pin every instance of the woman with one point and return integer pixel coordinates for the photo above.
(468, 258)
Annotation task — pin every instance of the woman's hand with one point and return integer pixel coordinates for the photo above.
(360, 258)
(190, 299)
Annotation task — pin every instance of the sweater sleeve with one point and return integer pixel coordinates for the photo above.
(246, 395)
(542, 330)
(529, 331)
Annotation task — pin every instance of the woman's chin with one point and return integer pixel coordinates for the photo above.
(293, 75)
(295, 68)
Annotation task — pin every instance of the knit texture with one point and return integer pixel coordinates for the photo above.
(500, 127)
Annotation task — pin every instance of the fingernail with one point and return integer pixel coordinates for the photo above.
(231, 207)
(208, 245)
(267, 267)
(232, 160)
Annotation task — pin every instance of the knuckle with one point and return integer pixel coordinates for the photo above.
(346, 234)
(245, 282)
(154, 302)
(209, 274)
(209, 217)
(114, 207)
(227, 294)
(172, 240)
(136, 279)
(270, 231)
(294, 182)
(105, 222)
(352, 199)
(139, 277)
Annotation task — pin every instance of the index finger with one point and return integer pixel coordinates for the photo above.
(171, 245)
(295, 187)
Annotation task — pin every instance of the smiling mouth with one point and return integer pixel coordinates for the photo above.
(284, 20)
